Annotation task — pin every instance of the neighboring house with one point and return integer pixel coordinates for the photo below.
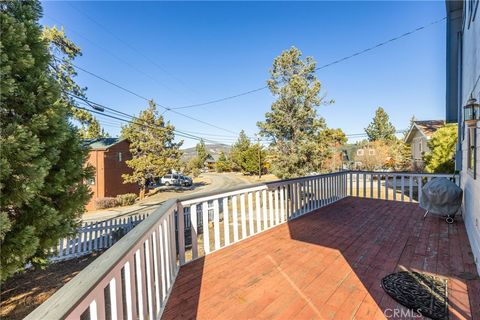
(365, 156)
(211, 161)
(107, 156)
(417, 137)
(463, 84)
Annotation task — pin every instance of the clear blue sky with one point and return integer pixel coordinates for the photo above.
(207, 50)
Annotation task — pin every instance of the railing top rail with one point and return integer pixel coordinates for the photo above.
(210, 195)
(206, 196)
(69, 296)
(399, 173)
(305, 178)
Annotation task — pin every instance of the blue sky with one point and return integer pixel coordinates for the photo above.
(182, 53)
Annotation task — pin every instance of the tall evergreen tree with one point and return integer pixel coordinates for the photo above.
(292, 123)
(254, 160)
(154, 152)
(202, 153)
(41, 158)
(63, 52)
(237, 152)
(381, 129)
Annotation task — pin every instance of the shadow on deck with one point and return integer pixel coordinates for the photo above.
(328, 264)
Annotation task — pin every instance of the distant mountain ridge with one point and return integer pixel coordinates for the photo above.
(213, 149)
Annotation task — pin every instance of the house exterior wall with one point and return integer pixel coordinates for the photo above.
(470, 75)
(97, 185)
(419, 146)
(109, 167)
(468, 67)
(115, 166)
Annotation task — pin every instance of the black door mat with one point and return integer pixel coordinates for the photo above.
(422, 293)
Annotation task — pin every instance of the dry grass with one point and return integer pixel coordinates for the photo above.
(255, 179)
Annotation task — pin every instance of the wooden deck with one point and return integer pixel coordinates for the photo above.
(328, 265)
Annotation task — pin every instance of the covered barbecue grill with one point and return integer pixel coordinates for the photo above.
(441, 197)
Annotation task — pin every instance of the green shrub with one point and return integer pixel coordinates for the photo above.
(104, 203)
(126, 199)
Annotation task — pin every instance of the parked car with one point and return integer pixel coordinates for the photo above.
(171, 179)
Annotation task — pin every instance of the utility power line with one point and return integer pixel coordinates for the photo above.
(174, 109)
(146, 99)
(378, 45)
(136, 120)
(125, 62)
(127, 44)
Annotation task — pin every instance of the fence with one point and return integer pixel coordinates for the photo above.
(94, 236)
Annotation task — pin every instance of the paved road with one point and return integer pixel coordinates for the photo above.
(218, 182)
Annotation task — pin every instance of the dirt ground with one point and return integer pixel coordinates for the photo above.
(255, 179)
(24, 292)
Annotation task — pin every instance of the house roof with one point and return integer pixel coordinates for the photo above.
(101, 143)
(426, 127)
(429, 127)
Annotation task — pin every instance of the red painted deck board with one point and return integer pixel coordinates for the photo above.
(328, 265)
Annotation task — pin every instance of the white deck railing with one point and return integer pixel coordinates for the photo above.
(133, 279)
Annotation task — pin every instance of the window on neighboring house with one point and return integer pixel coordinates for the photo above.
(420, 147)
(371, 152)
(472, 151)
(119, 157)
(360, 152)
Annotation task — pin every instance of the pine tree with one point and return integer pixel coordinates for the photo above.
(202, 154)
(380, 129)
(154, 152)
(222, 164)
(254, 160)
(41, 158)
(63, 53)
(237, 152)
(442, 145)
(292, 123)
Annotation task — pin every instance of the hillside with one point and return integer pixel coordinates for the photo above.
(213, 149)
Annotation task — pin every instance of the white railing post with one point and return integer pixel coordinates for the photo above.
(258, 211)
(205, 227)
(250, 214)
(226, 222)
(181, 233)
(277, 207)
(194, 230)
(216, 224)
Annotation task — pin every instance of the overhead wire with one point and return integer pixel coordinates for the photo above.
(131, 47)
(321, 67)
(146, 99)
(173, 109)
(125, 62)
(177, 132)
